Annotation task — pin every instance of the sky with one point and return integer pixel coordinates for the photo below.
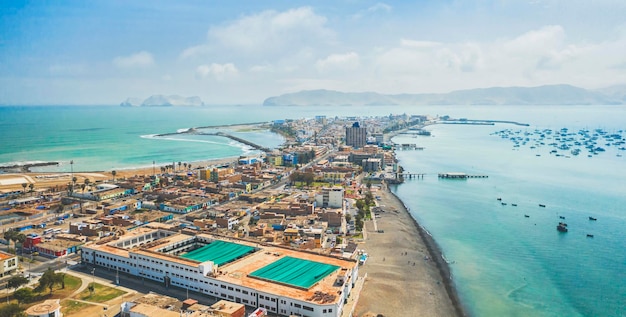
(241, 52)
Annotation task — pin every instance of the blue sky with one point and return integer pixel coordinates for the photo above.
(230, 52)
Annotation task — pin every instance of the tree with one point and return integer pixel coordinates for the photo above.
(87, 181)
(23, 295)
(113, 173)
(185, 165)
(48, 280)
(163, 169)
(24, 186)
(60, 279)
(11, 310)
(348, 217)
(179, 164)
(12, 235)
(31, 186)
(16, 281)
(91, 288)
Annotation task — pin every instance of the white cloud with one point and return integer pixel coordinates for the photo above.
(266, 33)
(217, 71)
(347, 61)
(139, 59)
(380, 6)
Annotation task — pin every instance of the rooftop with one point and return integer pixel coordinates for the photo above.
(295, 272)
(219, 252)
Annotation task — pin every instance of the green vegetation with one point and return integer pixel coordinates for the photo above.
(11, 310)
(15, 236)
(23, 295)
(307, 178)
(71, 306)
(49, 279)
(100, 294)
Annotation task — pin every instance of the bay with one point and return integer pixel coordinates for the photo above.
(504, 264)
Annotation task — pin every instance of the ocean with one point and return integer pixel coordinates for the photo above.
(505, 260)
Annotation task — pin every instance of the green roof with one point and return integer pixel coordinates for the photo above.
(219, 252)
(295, 272)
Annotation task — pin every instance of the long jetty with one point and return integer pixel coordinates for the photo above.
(26, 167)
(195, 131)
(482, 122)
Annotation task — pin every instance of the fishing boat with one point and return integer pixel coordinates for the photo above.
(589, 235)
(592, 218)
(542, 205)
(561, 227)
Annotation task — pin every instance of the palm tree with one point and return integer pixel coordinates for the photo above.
(87, 181)
(31, 186)
(24, 186)
(113, 173)
(82, 187)
(185, 165)
(74, 179)
(163, 169)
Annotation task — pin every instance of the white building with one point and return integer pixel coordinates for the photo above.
(237, 271)
(330, 198)
(8, 263)
(49, 308)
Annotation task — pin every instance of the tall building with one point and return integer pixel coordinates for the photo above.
(356, 136)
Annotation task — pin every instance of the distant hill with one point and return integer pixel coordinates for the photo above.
(163, 101)
(541, 95)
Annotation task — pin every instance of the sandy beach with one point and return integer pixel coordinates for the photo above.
(406, 275)
(14, 181)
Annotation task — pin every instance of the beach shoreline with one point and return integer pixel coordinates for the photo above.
(406, 274)
(437, 255)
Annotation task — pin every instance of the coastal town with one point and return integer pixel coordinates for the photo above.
(307, 229)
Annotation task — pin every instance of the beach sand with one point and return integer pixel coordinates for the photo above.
(14, 181)
(406, 275)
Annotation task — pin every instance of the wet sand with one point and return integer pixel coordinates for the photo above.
(406, 275)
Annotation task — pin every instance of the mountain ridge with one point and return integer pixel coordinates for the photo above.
(561, 94)
(164, 101)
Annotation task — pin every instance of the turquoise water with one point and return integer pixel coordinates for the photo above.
(505, 264)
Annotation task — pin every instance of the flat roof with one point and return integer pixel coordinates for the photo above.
(219, 252)
(296, 272)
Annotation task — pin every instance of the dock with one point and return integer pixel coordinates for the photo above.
(457, 175)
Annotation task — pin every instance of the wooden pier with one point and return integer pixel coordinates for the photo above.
(412, 175)
(457, 175)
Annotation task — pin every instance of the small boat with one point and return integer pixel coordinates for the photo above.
(542, 205)
(499, 198)
(561, 217)
(592, 218)
(514, 205)
(503, 204)
(561, 227)
(589, 235)
(527, 216)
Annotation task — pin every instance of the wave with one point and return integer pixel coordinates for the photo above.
(155, 136)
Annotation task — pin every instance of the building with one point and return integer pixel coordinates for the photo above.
(8, 263)
(330, 198)
(309, 284)
(164, 306)
(49, 308)
(356, 136)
